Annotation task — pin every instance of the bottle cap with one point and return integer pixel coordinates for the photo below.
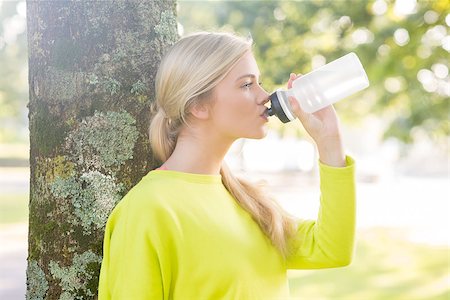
(276, 108)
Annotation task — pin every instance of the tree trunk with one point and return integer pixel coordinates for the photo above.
(92, 66)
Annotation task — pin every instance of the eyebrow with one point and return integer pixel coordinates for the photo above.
(246, 75)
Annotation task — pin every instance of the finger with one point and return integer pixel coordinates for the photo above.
(294, 103)
(308, 121)
(325, 112)
(292, 77)
(296, 108)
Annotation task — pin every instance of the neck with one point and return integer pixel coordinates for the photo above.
(198, 152)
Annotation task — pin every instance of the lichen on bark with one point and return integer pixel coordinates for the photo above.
(103, 140)
(92, 196)
(74, 279)
(37, 284)
(167, 27)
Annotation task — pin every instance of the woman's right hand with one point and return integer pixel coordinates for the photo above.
(323, 127)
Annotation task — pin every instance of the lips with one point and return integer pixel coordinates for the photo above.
(265, 113)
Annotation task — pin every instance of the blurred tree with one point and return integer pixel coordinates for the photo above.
(91, 75)
(13, 72)
(403, 46)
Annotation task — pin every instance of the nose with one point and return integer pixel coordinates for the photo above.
(263, 96)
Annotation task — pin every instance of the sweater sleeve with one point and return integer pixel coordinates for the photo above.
(328, 242)
(131, 266)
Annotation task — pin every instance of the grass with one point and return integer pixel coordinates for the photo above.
(385, 266)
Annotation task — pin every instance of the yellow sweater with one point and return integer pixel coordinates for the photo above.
(182, 236)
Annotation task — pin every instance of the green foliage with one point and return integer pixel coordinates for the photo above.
(405, 54)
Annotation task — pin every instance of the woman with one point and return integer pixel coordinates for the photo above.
(190, 229)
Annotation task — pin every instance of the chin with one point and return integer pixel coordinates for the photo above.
(258, 135)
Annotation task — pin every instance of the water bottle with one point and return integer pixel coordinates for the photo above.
(321, 87)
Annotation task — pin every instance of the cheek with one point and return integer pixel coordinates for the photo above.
(229, 107)
(234, 111)
(243, 103)
(240, 111)
(230, 115)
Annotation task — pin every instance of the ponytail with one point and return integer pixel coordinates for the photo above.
(163, 134)
(276, 224)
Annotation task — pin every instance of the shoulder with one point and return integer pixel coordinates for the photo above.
(150, 192)
(164, 194)
(144, 208)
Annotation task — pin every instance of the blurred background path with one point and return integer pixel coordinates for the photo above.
(14, 187)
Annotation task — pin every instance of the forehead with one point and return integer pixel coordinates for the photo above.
(246, 65)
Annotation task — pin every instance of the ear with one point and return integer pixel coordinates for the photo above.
(200, 111)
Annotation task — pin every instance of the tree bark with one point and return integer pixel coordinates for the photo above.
(92, 66)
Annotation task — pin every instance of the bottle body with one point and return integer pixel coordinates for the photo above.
(322, 87)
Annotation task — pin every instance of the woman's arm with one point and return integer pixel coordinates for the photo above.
(329, 241)
(131, 268)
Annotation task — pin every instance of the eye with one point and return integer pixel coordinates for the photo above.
(247, 85)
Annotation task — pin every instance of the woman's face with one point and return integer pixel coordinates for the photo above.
(238, 109)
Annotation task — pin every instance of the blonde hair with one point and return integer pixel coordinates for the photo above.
(188, 73)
